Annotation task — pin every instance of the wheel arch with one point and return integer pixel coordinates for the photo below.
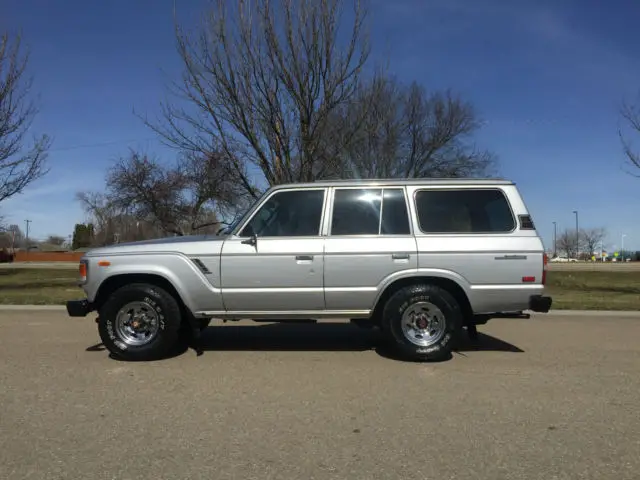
(114, 282)
(448, 284)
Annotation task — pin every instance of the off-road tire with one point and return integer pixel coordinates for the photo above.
(404, 298)
(169, 317)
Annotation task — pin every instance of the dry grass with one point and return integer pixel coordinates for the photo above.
(595, 290)
(581, 290)
(31, 286)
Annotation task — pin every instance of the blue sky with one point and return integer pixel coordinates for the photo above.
(546, 76)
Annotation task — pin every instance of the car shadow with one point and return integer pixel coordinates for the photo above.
(321, 337)
(325, 337)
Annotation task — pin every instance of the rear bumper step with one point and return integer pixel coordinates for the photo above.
(539, 303)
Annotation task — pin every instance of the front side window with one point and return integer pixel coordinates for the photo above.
(464, 211)
(295, 213)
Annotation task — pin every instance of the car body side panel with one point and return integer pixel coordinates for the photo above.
(355, 267)
(197, 290)
(502, 269)
(277, 274)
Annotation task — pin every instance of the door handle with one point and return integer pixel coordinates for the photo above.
(400, 256)
(307, 258)
(511, 257)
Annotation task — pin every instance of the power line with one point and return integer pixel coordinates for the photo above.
(100, 144)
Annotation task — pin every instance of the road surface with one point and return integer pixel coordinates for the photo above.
(552, 397)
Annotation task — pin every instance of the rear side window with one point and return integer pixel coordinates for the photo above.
(395, 218)
(464, 211)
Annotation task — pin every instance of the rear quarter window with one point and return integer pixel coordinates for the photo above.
(464, 211)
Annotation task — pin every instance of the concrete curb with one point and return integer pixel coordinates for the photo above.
(51, 308)
(566, 313)
(589, 313)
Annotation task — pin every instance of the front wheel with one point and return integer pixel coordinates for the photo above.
(423, 322)
(140, 322)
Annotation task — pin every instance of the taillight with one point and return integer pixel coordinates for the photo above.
(545, 260)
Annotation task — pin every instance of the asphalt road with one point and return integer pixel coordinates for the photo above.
(552, 397)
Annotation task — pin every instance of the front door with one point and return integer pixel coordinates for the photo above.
(275, 263)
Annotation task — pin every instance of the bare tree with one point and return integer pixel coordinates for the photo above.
(407, 132)
(12, 237)
(102, 214)
(262, 80)
(630, 114)
(569, 243)
(592, 238)
(56, 240)
(20, 165)
(179, 199)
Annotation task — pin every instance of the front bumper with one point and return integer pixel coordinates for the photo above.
(79, 308)
(539, 303)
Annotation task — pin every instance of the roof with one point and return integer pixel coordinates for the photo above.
(397, 181)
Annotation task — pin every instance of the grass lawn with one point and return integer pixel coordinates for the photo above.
(590, 290)
(38, 286)
(594, 290)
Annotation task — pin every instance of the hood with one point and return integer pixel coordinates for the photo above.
(169, 240)
(187, 244)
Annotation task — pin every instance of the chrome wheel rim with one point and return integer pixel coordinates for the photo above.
(137, 323)
(423, 324)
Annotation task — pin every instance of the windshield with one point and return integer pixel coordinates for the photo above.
(227, 230)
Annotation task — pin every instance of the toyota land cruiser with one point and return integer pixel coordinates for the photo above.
(420, 259)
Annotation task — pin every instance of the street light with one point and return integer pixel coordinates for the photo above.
(577, 235)
(555, 237)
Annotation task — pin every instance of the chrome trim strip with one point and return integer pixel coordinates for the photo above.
(524, 286)
(284, 313)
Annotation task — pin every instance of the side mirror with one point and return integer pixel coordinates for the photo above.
(252, 240)
(248, 232)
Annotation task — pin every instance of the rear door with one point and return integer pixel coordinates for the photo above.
(369, 239)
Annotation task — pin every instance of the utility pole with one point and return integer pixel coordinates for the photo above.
(622, 246)
(555, 239)
(577, 235)
(27, 236)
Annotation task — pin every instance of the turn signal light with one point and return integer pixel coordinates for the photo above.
(82, 270)
(545, 260)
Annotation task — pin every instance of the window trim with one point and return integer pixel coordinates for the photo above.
(268, 197)
(475, 189)
(382, 188)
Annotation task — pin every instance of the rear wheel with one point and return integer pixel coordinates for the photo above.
(423, 322)
(140, 322)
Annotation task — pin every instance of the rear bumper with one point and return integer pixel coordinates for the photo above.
(79, 308)
(539, 303)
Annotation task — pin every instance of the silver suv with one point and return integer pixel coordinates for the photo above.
(419, 259)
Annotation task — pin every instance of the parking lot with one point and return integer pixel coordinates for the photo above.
(552, 397)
